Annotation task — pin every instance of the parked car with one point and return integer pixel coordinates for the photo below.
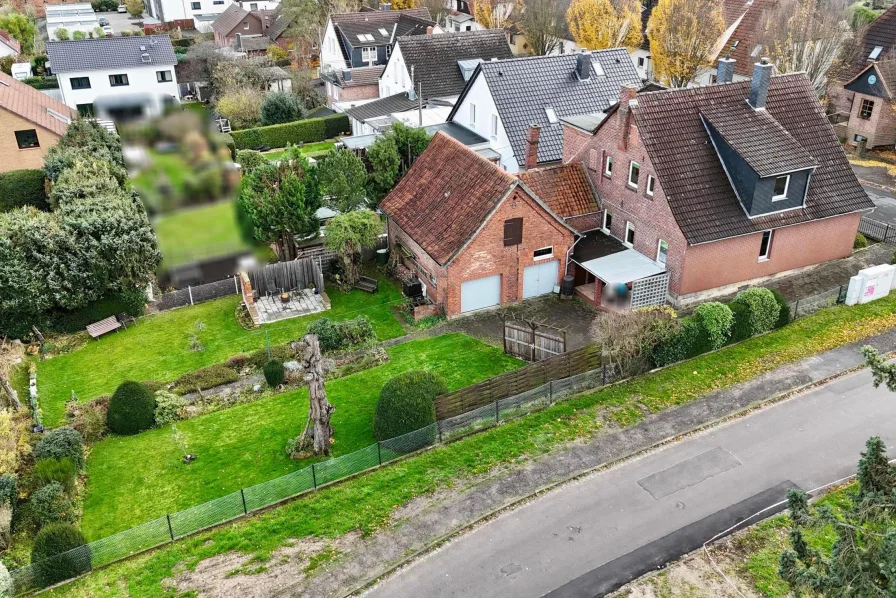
(107, 30)
(103, 21)
(122, 8)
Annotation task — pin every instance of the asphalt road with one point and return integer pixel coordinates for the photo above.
(884, 205)
(591, 536)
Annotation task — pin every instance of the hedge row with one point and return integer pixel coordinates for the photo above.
(23, 188)
(131, 302)
(310, 130)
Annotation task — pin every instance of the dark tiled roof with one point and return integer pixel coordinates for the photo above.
(885, 69)
(758, 139)
(110, 53)
(230, 18)
(405, 22)
(565, 189)
(440, 210)
(279, 25)
(254, 44)
(881, 32)
(434, 57)
(523, 87)
(746, 35)
(691, 175)
(383, 106)
(365, 75)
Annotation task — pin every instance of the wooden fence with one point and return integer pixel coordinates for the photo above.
(286, 276)
(518, 381)
(532, 344)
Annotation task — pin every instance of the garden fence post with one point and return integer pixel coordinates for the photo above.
(550, 391)
(267, 343)
(796, 308)
(379, 452)
(170, 529)
(439, 428)
(314, 476)
(190, 291)
(243, 496)
(497, 413)
(236, 285)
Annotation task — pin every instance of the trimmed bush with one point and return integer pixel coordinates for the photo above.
(205, 378)
(280, 107)
(342, 334)
(23, 188)
(237, 362)
(689, 341)
(131, 409)
(407, 404)
(169, 408)
(310, 130)
(89, 419)
(60, 443)
(740, 327)
(50, 504)
(61, 471)
(274, 373)
(8, 489)
(784, 314)
(249, 159)
(260, 357)
(764, 309)
(861, 242)
(130, 301)
(715, 320)
(54, 556)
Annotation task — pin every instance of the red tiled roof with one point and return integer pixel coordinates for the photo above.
(446, 196)
(746, 34)
(565, 189)
(30, 104)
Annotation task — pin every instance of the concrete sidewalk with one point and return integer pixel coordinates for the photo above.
(438, 516)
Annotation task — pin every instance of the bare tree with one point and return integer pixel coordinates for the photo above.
(437, 10)
(320, 409)
(10, 353)
(805, 36)
(542, 22)
(627, 337)
(308, 18)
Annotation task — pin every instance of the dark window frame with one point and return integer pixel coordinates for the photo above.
(629, 228)
(80, 80)
(25, 135)
(543, 252)
(513, 232)
(193, 6)
(125, 80)
(765, 245)
(163, 80)
(86, 110)
(866, 109)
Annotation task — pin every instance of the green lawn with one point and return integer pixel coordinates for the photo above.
(197, 233)
(308, 148)
(368, 502)
(171, 165)
(158, 346)
(133, 479)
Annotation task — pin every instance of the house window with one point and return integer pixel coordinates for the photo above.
(551, 114)
(765, 246)
(608, 220)
(494, 126)
(85, 110)
(80, 82)
(245, 24)
(118, 80)
(195, 5)
(608, 166)
(544, 252)
(472, 115)
(866, 109)
(650, 183)
(163, 76)
(634, 170)
(513, 232)
(27, 139)
(640, 61)
(388, 51)
(859, 138)
(662, 251)
(368, 55)
(253, 6)
(781, 185)
(629, 234)
(218, 2)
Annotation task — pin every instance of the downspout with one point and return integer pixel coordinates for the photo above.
(569, 252)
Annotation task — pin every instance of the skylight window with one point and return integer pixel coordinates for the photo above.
(552, 115)
(756, 50)
(875, 53)
(384, 32)
(365, 37)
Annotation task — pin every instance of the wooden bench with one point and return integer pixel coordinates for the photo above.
(365, 283)
(97, 329)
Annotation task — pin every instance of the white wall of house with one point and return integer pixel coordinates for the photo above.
(141, 80)
(396, 78)
(331, 57)
(479, 95)
(708, 77)
(643, 63)
(6, 50)
(170, 10)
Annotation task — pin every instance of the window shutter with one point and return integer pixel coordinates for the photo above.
(513, 232)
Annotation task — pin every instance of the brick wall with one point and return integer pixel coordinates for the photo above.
(736, 260)
(880, 128)
(353, 93)
(573, 141)
(13, 158)
(422, 265)
(486, 254)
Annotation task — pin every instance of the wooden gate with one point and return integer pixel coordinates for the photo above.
(531, 343)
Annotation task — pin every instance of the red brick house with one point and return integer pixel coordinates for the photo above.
(477, 236)
(872, 116)
(350, 85)
(720, 186)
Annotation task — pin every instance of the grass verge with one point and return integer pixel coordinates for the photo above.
(366, 503)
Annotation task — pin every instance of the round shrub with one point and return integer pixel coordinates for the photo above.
(861, 242)
(714, 319)
(249, 159)
(54, 555)
(237, 362)
(61, 443)
(131, 409)
(740, 327)
(763, 309)
(688, 341)
(50, 504)
(169, 408)
(280, 107)
(406, 404)
(784, 314)
(274, 373)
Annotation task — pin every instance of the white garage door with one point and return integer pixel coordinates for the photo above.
(540, 279)
(480, 293)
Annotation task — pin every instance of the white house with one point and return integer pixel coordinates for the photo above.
(201, 12)
(71, 17)
(9, 46)
(120, 78)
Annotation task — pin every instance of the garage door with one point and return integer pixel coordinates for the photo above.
(480, 293)
(540, 279)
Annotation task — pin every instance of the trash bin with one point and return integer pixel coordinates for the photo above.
(382, 257)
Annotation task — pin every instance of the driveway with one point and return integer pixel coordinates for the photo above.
(881, 190)
(120, 21)
(590, 537)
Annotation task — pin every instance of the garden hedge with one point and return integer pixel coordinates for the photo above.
(130, 301)
(23, 188)
(715, 320)
(407, 403)
(131, 409)
(342, 334)
(784, 314)
(310, 130)
(689, 341)
(205, 378)
(61, 443)
(51, 557)
(50, 504)
(763, 309)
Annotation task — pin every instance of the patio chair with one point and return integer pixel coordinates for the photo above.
(125, 318)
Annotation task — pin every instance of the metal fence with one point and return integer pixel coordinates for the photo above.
(810, 305)
(198, 294)
(242, 502)
(877, 230)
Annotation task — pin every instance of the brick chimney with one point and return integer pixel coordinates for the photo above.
(429, 30)
(583, 66)
(725, 70)
(762, 77)
(532, 136)
(627, 95)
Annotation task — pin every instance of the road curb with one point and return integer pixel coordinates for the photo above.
(877, 186)
(518, 502)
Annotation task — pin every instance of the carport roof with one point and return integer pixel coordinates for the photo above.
(624, 266)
